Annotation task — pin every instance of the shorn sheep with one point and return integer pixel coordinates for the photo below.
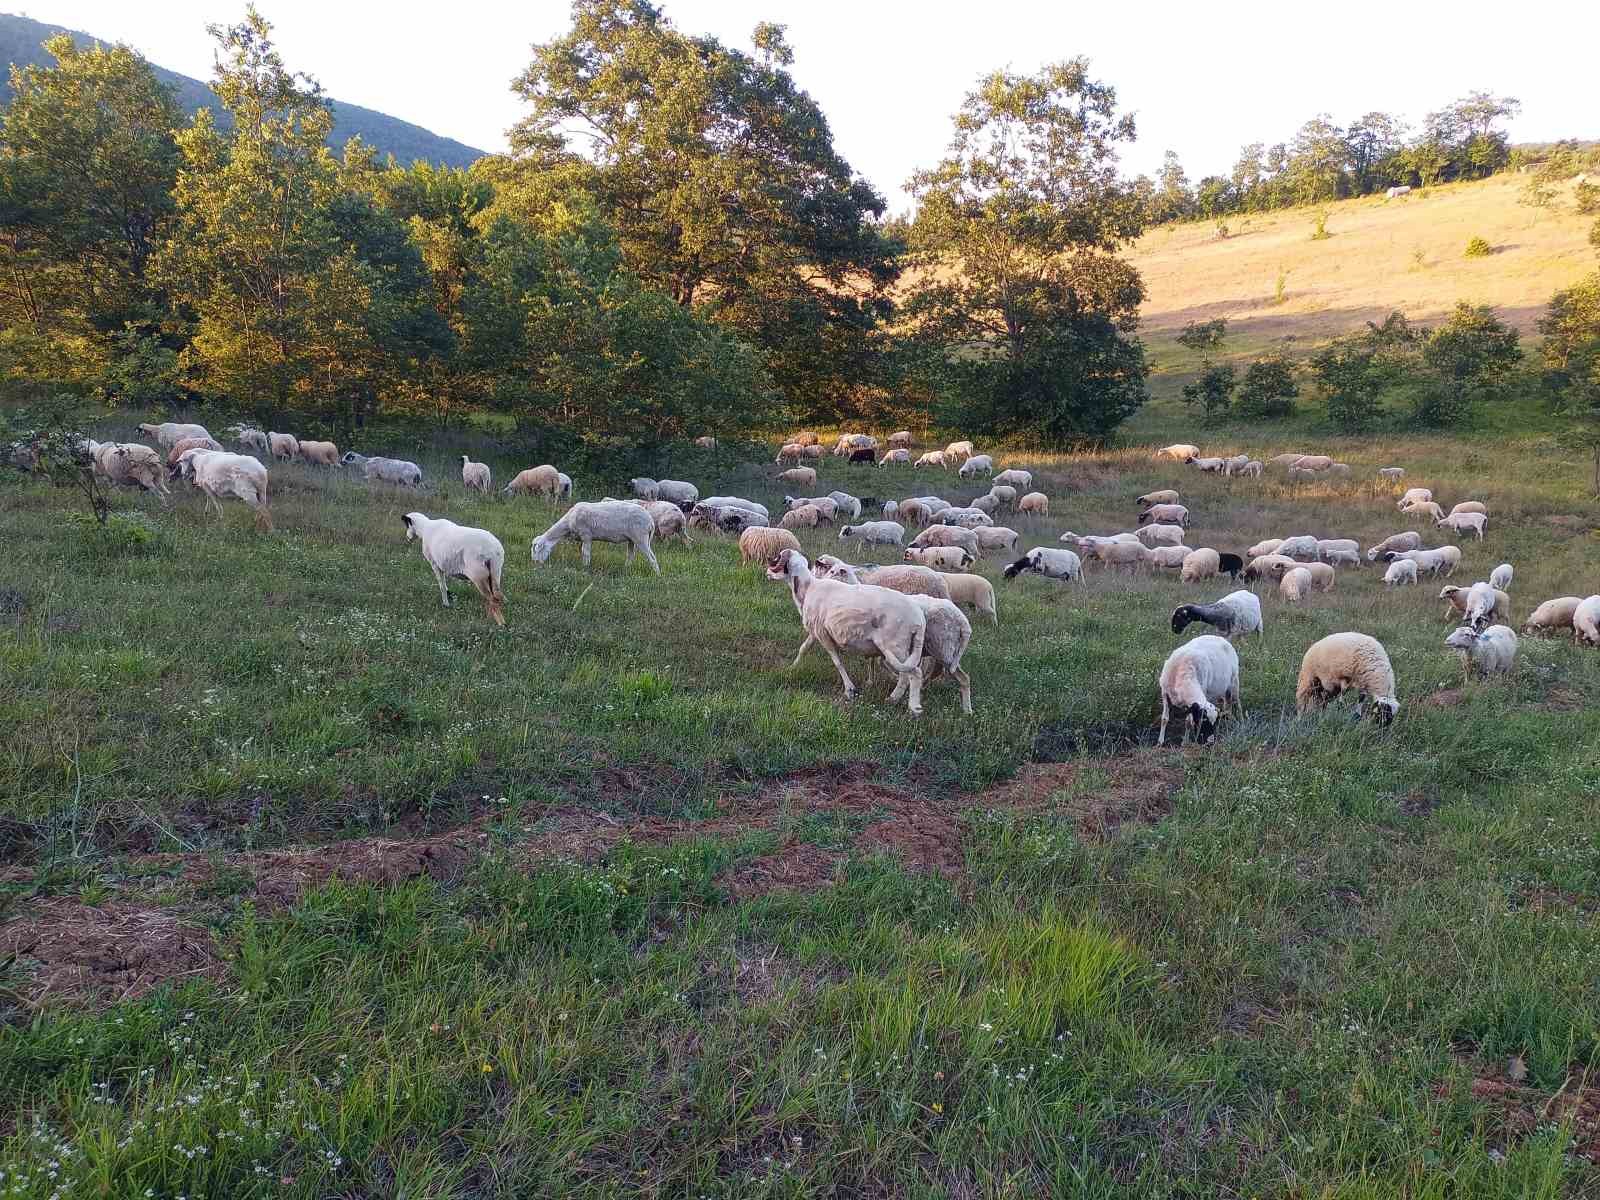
(461, 552)
(1492, 651)
(1552, 615)
(1180, 452)
(1586, 622)
(1200, 564)
(1464, 522)
(1236, 615)
(1015, 477)
(608, 521)
(907, 578)
(974, 592)
(1035, 503)
(804, 477)
(1458, 599)
(668, 517)
(1500, 577)
(184, 444)
(475, 476)
(949, 535)
(875, 533)
(994, 537)
(1343, 662)
(285, 446)
(1051, 563)
(759, 544)
(949, 633)
(1416, 495)
(1397, 542)
(170, 433)
(975, 464)
(1401, 571)
(1199, 679)
(219, 474)
(385, 470)
(864, 619)
(545, 480)
(320, 454)
(1165, 514)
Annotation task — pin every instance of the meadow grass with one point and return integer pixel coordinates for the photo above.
(1332, 961)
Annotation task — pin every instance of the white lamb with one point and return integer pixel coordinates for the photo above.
(1401, 571)
(1197, 678)
(607, 521)
(1237, 614)
(385, 470)
(475, 475)
(1051, 563)
(1343, 662)
(876, 533)
(1492, 651)
(218, 474)
(1160, 535)
(978, 462)
(1463, 522)
(1500, 577)
(462, 552)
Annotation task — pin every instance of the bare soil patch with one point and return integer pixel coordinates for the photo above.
(1445, 698)
(1516, 1110)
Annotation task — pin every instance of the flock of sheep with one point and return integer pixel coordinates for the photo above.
(909, 614)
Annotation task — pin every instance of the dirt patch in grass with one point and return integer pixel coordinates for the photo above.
(1418, 803)
(1562, 699)
(1516, 1110)
(111, 953)
(1102, 795)
(1445, 698)
(1568, 523)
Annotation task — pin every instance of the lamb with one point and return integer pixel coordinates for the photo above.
(1270, 566)
(252, 439)
(1392, 473)
(846, 504)
(1237, 615)
(803, 477)
(218, 474)
(978, 462)
(1445, 559)
(1345, 549)
(192, 443)
(1160, 535)
(129, 464)
(1500, 577)
(1401, 571)
(967, 518)
(1416, 495)
(1197, 677)
(876, 533)
(949, 535)
(1302, 548)
(170, 433)
(475, 476)
(1462, 522)
(942, 558)
(1034, 503)
(675, 490)
(1490, 652)
(804, 517)
(994, 537)
(461, 552)
(1409, 540)
(1004, 494)
(958, 450)
(759, 545)
(1295, 585)
(607, 521)
(1252, 469)
(910, 579)
(1341, 662)
(1458, 598)
(933, 458)
(1341, 558)
(285, 446)
(1266, 546)
(973, 591)
(1470, 506)
(1586, 622)
(321, 454)
(546, 481)
(866, 619)
(900, 457)
(1200, 564)
(1179, 452)
(1164, 496)
(900, 438)
(1052, 564)
(1553, 614)
(385, 470)
(1170, 557)
(1016, 477)
(1169, 514)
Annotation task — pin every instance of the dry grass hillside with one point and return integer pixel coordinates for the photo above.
(1380, 255)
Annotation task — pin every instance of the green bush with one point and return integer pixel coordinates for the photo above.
(1204, 335)
(1479, 248)
(1587, 197)
(123, 534)
(1213, 390)
(1268, 389)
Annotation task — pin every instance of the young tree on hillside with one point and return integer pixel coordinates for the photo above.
(721, 179)
(1467, 360)
(1021, 292)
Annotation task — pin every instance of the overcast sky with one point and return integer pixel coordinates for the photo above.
(1202, 79)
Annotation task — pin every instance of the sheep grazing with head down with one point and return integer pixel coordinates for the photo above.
(1343, 662)
(803, 477)
(186, 444)
(1164, 496)
(1443, 559)
(949, 535)
(1035, 504)
(993, 538)
(900, 438)
(254, 439)
(1295, 585)
(909, 578)
(967, 518)
(1470, 506)
(1301, 547)
(1491, 651)
(1167, 514)
(1052, 564)
(129, 464)
(545, 480)
(975, 464)
(1178, 452)
(1167, 557)
(1251, 469)
(1393, 474)
(1267, 566)
(804, 517)
(319, 454)
(1160, 535)
(1490, 600)
(461, 552)
(1200, 564)
(942, 558)
(170, 433)
(220, 474)
(1500, 577)
(848, 506)
(475, 476)
(1402, 571)
(1003, 494)
(285, 446)
(1236, 615)
(1264, 547)
(1200, 679)
(900, 457)
(931, 458)
(1416, 495)
(1464, 522)
(1586, 622)
(668, 517)
(759, 544)
(397, 471)
(1396, 542)
(875, 533)
(1015, 477)
(608, 521)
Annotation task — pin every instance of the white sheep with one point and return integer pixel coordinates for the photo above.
(805, 477)
(1016, 477)
(1252, 469)
(909, 578)
(179, 447)
(1322, 575)
(1346, 550)
(1401, 571)
(320, 454)
(1237, 615)
(1553, 614)
(1470, 506)
(644, 489)
(1458, 599)
(1416, 495)
(967, 518)
(1313, 462)
(129, 464)
(385, 470)
(805, 438)
(1392, 473)
(1164, 496)
(986, 504)
(1267, 566)
(218, 474)
(1409, 540)
(1295, 585)
(252, 439)
(607, 521)
(876, 533)
(545, 480)
(1165, 514)
(1170, 557)
(942, 558)
(1207, 465)
(804, 517)
(726, 518)
(865, 619)
(900, 437)
(958, 450)
(1160, 535)
(1287, 459)
(1444, 558)
(978, 462)
(932, 458)
(1424, 508)
(1500, 577)
(992, 538)
(900, 457)
(1302, 548)
(1481, 601)
(1180, 452)
(677, 491)
(1051, 563)
(1236, 463)
(1115, 554)
(793, 452)
(1004, 494)
(1343, 662)
(1203, 563)
(1586, 622)
(1492, 651)
(973, 591)
(934, 504)
(461, 552)
(1034, 503)
(949, 535)
(285, 446)
(668, 517)
(755, 507)
(1265, 546)
(909, 512)
(949, 633)
(847, 505)
(475, 476)
(1199, 679)
(1463, 522)
(170, 433)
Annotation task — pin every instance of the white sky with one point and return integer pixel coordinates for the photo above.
(1202, 79)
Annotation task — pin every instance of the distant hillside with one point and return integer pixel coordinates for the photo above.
(22, 39)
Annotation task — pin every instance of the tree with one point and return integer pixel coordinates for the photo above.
(1372, 146)
(1213, 391)
(1355, 370)
(1468, 359)
(1571, 352)
(1320, 155)
(1268, 389)
(1469, 132)
(1022, 295)
(1204, 336)
(721, 179)
(1173, 200)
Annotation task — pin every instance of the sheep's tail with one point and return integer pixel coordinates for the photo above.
(913, 657)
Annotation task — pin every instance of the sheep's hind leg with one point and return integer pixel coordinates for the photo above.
(838, 663)
(444, 586)
(1166, 713)
(649, 556)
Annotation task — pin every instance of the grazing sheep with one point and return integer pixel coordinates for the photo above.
(1200, 564)
(675, 490)
(385, 470)
(759, 544)
(1003, 494)
(986, 504)
(1492, 651)
(1444, 559)
(1344, 548)
(1180, 452)
(759, 509)
(994, 537)
(933, 458)
(1416, 495)
(891, 512)
(461, 552)
(1470, 506)
(1322, 576)
(219, 474)
(863, 456)
(1340, 469)
(1164, 496)
(1051, 563)
(967, 518)
(1458, 599)
(1170, 557)
(1462, 522)
(1401, 571)
(804, 517)
(792, 452)
(1392, 473)
(1500, 577)
(1034, 503)
(319, 454)
(940, 558)
(847, 505)
(1287, 459)
(866, 619)
(1313, 462)
(826, 508)
(1252, 469)
(129, 464)
(253, 439)
(1237, 615)
(706, 443)
(1553, 614)
(170, 433)
(1343, 662)
(1208, 466)
(725, 517)
(1302, 548)
(1266, 546)
(1132, 555)
(1235, 463)
(475, 475)
(1397, 542)
(1160, 535)
(899, 457)
(1197, 677)
(935, 504)
(546, 481)
(1586, 622)
(1167, 514)
(607, 521)
(876, 533)
(909, 578)
(949, 535)
(912, 512)
(668, 518)
(1016, 477)
(1295, 585)
(1481, 602)
(179, 447)
(285, 446)
(958, 450)
(806, 438)
(1268, 566)
(949, 633)
(805, 477)
(978, 462)
(849, 443)
(973, 591)
(900, 438)
(1341, 558)
(1301, 474)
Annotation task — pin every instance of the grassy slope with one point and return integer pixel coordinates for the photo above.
(1364, 270)
(1284, 986)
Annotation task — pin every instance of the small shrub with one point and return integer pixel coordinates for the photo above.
(1213, 390)
(1419, 259)
(123, 534)
(1268, 389)
(1479, 248)
(1222, 231)
(1204, 335)
(1319, 228)
(1281, 292)
(1587, 197)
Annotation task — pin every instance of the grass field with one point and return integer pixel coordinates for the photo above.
(320, 889)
